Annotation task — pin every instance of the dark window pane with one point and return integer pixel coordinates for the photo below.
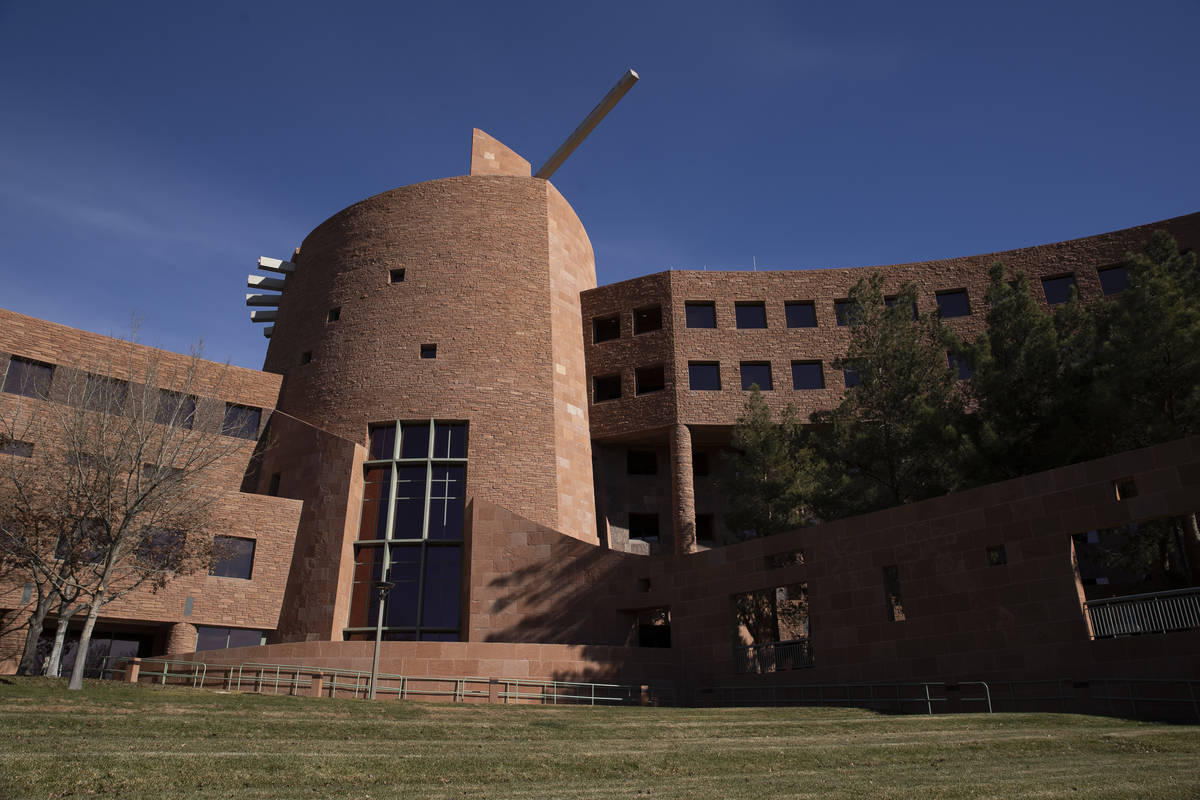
(756, 373)
(241, 421)
(892, 300)
(1113, 280)
(447, 495)
(953, 304)
(240, 637)
(641, 462)
(439, 636)
(398, 636)
(808, 375)
(643, 526)
(209, 638)
(703, 375)
(374, 511)
(843, 310)
(410, 502)
(396, 275)
(851, 378)
(1058, 290)
(383, 441)
(450, 440)
(647, 319)
(701, 315)
(649, 379)
(176, 409)
(700, 463)
(704, 527)
(29, 378)
(429, 351)
(606, 387)
(800, 315)
(443, 587)
(962, 368)
(234, 557)
(750, 315)
(14, 447)
(161, 549)
(105, 394)
(414, 441)
(402, 600)
(606, 328)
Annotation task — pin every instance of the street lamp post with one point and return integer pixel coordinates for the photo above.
(382, 587)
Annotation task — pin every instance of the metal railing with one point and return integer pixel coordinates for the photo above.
(1156, 612)
(574, 693)
(879, 696)
(773, 656)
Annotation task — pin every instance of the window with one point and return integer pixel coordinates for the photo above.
(412, 531)
(175, 409)
(791, 558)
(306, 357)
(646, 320)
(29, 378)
(953, 303)
(102, 393)
(757, 373)
(211, 638)
(606, 387)
(996, 555)
(750, 315)
(241, 421)
(649, 379)
(233, 557)
(701, 314)
(644, 527)
(961, 366)
(704, 528)
(850, 376)
(893, 299)
(653, 627)
(1123, 488)
(1058, 290)
(334, 314)
(843, 310)
(15, 447)
(801, 314)
(704, 375)
(641, 462)
(606, 328)
(396, 276)
(891, 592)
(429, 351)
(700, 464)
(161, 549)
(273, 484)
(1113, 280)
(808, 375)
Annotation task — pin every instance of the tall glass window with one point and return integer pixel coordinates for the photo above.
(412, 530)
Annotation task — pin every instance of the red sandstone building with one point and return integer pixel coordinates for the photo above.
(450, 400)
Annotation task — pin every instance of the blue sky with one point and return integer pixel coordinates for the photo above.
(150, 152)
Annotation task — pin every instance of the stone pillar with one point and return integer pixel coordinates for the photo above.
(683, 490)
(181, 638)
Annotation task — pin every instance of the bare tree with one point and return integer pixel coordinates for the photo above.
(112, 487)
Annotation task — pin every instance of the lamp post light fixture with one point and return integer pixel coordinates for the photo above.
(382, 587)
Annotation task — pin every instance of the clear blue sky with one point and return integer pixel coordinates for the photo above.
(150, 152)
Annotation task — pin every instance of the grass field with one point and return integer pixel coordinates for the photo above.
(123, 741)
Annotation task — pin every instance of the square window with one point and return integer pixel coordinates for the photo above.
(641, 462)
(606, 387)
(757, 373)
(306, 357)
(606, 328)
(644, 527)
(843, 311)
(241, 421)
(28, 378)
(334, 314)
(233, 557)
(102, 393)
(704, 376)
(396, 275)
(893, 299)
(649, 379)
(750, 315)
(701, 314)
(175, 409)
(961, 366)
(429, 351)
(1125, 488)
(808, 375)
(851, 378)
(997, 555)
(801, 314)
(646, 320)
(1058, 290)
(953, 303)
(1113, 280)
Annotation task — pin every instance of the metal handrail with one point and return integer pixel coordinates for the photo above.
(925, 697)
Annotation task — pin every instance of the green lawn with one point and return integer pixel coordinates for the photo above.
(122, 741)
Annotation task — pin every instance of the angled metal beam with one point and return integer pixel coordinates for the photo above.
(263, 282)
(275, 265)
(590, 122)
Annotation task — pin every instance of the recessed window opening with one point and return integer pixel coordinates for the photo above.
(851, 377)
(429, 351)
(700, 463)
(891, 592)
(649, 379)
(808, 375)
(646, 320)
(704, 529)
(27, 377)
(892, 300)
(102, 393)
(1058, 289)
(273, 484)
(306, 357)
(1113, 280)
(643, 527)
(605, 329)
(175, 409)
(653, 627)
(750, 315)
(704, 376)
(843, 311)
(605, 388)
(641, 462)
(396, 275)
(209, 637)
(997, 555)
(771, 629)
(334, 314)
(643, 584)
(233, 557)
(1125, 488)
(700, 314)
(800, 314)
(241, 421)
(756, 373)
(953, 303)
(961, 366)
(15, 447)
